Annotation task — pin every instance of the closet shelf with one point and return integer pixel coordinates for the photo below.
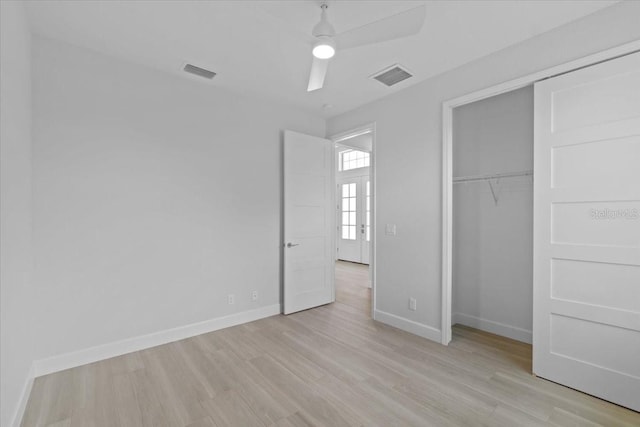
(471, 178)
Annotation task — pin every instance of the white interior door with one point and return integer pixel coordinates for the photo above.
(308, 222)
(586, 330)
(354, 219)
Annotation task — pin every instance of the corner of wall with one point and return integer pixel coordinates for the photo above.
(24, 397)
(407, 325)
(16, 267)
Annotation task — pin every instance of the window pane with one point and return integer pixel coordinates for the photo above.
(354, 159)
(352, 204)
(345, 190)
(368, 236)
(352, 218)
(345, 204)
(345, 232)
(352, 232)
(352, 191)
(345, 218)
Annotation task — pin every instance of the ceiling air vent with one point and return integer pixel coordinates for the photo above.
(392, 75)
(192, 69)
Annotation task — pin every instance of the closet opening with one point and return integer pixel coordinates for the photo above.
(492, 219)
(575, 255)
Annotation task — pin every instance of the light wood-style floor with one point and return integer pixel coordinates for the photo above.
(331, 365)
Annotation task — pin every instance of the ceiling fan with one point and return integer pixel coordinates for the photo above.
(326, 41)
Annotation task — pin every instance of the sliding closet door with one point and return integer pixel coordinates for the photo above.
(587, 230)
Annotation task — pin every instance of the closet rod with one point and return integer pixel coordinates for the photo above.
(472, 178)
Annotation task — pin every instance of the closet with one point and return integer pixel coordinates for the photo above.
(493, 214)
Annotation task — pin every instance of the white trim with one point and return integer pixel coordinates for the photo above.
(447, 144)
(497, 328)
(360, 130)
(118, 348)
(424, 331)
(24, 397)
(447, 222)
(336, 138)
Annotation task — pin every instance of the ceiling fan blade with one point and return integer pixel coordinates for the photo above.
(403, 24)
(318, 71)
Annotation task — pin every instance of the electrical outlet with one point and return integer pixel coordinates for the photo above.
(390, 230)
(231, 299)
(254, 296)
(412, 304)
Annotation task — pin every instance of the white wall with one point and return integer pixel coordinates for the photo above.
(409, 156)
(493, 243)
(16, 298)
(154, 198)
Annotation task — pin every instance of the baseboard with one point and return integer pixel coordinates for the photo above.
(407, 325)
(118, 348)
(497, 328)
(24, 398)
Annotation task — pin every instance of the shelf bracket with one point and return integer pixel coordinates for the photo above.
(493, 192)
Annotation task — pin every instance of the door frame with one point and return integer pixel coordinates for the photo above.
(336, 139)
(447, 156)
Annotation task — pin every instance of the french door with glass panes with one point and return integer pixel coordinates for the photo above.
(354, 219)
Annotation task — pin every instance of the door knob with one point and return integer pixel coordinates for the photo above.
(290, 245)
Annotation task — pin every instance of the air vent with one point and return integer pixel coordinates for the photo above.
(392, 75)
(192, 69)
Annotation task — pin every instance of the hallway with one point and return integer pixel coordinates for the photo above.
(352, 285)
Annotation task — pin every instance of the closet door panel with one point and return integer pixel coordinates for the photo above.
(573, 166)
(581, 281)
(596, 223)
(587, 230)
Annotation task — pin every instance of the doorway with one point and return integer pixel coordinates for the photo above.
(354, 202)
(492, 286)
(354, 210)
(311, 224)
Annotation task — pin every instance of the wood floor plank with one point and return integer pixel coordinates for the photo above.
(229, 409)
(205, 422)
(332, 365)
(302, 393)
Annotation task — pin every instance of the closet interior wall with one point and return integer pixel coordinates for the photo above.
(493, 217)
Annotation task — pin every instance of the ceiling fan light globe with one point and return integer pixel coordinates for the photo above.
(323, 51)
(324, 48)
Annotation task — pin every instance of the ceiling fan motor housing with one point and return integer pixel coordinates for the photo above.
(323, 28)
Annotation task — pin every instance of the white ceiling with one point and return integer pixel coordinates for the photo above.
(257, 47)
